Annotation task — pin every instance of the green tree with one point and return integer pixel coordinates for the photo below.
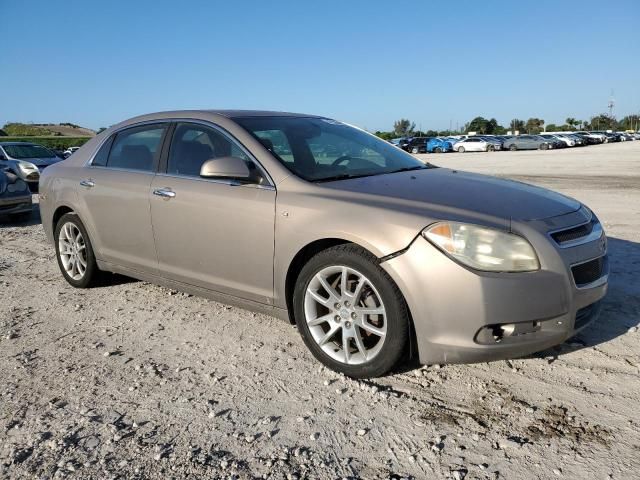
(382, 135)
(478, 124)
(603, 122)
(552, 127)
(573, 123)
(630, 122)
(403, 127)
(534, 125)
(516, 125)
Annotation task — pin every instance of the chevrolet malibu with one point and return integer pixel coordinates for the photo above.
(374, 255)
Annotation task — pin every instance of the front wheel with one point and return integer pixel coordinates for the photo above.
(438, 150)
(74, 252)
(414, 150)
(513, 148)
(350, 313)
(460, 149)
(490, 148)
(544, 146)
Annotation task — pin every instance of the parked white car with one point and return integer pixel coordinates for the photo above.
(475, 144)
(69, 151)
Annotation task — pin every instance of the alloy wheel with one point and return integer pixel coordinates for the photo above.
(72, 249)
(345, 315)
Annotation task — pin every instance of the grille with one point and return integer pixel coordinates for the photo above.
(588, 272)
(574, 233)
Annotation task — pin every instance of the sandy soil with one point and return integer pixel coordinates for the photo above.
(131, 380)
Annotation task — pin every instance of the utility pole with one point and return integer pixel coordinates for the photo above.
(611, 104)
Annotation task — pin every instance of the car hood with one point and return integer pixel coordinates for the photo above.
(39, 162)
(464, 191)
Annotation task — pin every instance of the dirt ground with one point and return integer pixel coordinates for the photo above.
(132, 380)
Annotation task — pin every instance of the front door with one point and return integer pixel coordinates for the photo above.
(216, 234)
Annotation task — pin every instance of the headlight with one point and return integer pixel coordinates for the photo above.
(483, 248)
(27, 167)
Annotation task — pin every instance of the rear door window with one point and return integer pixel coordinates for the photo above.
(137, 148)
(100, 159)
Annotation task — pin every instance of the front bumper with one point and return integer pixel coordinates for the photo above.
(15, 204)
(457, 312)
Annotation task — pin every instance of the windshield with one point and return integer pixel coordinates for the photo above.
(28, 151)
(319, 149)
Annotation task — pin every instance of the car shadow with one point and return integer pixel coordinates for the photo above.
(620, 307)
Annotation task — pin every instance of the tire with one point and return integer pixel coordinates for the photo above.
(513, 147)
(415, 150)
(544, 146)
(460, 149)
(88, 277)
(490, 148)
(371, 352)
(438, 150)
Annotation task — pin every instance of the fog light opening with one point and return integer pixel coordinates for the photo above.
(500, 332)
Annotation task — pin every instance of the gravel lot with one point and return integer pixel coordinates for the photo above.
(131, 380)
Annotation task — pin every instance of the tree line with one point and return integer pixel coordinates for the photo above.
(481, 125)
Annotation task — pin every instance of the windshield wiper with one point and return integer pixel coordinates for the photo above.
(344, 176)
(408, 169)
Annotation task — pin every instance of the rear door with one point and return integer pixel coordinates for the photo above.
(115, 192)
(475, 144)
(216, 234)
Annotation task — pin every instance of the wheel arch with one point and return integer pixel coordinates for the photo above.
(58, 213)
(315, 247)
(299, 261)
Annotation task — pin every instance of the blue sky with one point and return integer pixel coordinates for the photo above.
(364, 62)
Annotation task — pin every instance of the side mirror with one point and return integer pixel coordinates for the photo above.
(225, 167)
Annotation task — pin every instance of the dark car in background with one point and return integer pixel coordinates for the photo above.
(588, 139)
(15, 197)
(27, 160)
(416, 145)
(527, 142)
(554, 141)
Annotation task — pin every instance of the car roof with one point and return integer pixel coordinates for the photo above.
(231, 115)
(258, 113)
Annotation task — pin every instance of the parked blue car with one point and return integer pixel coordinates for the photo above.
(439, 145)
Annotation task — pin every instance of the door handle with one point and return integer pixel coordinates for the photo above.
(164, 193)
(87, 183)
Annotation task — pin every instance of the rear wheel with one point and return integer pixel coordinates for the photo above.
(544, 146)
(513, 147)
(74, 252)
(438, 150)
(490, 148)
(350, 313)
(414, 150)
(460, 149)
